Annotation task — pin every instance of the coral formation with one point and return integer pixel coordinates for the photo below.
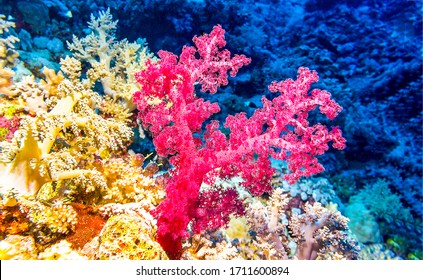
(171, 111)
(223, 173)
(319, 231)
(61, 130)
(64, 142)
(129, 237)
(112, 63)
(60, 251)
(8, 54)
(274, 233)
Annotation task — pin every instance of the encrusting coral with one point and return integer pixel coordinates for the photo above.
(129, 233)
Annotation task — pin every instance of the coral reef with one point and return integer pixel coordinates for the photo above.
(170, 110)
(63, 142)
(61, 129)
(274, 233)
(222, 175)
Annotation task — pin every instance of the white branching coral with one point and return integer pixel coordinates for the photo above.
(112, 62)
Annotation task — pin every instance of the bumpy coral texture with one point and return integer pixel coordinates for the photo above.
(174, 115)
(60, 123)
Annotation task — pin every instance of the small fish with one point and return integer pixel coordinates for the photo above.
(67, 14)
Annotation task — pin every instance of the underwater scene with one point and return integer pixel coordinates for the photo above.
(211, 130)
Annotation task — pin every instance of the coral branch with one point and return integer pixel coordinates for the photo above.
(172, 112)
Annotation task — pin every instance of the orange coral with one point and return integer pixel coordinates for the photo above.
(12, 221)
(52, 81)
(89, 225)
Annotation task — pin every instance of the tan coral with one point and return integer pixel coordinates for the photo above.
(52, 81)
(60, 251)
(30, 94)
(7, 53)
(72, 68)
(127, 181)
(49, 223)
(200, 247)
(320, 232)
(264, 219)
(6, 81)
(129, 237)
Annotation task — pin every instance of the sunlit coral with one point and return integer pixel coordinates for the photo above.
(18, 247)
(129, 237)
(49, 223)
(127, 181)
(60, 251)
(200, 247)
(49, 146)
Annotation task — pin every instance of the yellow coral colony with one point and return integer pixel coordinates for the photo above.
(61, 129)
(71, 146)
(35, 156)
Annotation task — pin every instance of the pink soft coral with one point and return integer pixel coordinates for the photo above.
(8, 127)
(172, 112)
